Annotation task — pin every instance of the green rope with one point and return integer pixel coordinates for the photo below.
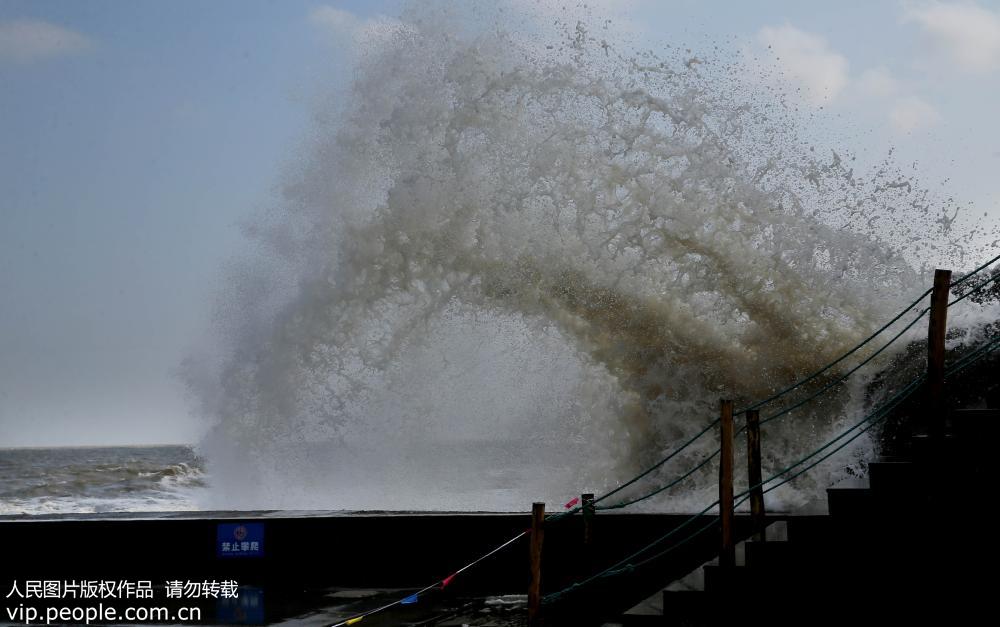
(715, 521)
(839, 359)
(776, 396)
(975, 290)
(617, 567)
(742, 497)
(872, 419)
(555, 595)
(773, 397)
(975, 272)
(876, 353)
(781, 413)
(659, 463)
(869, 421)
(974, 356)
(624, 504)
(561, 515)
(845, 376)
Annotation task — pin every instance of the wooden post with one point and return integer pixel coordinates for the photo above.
(535, 588)
(937, 327)
(727, 554)
(754, 475)
(588, 510)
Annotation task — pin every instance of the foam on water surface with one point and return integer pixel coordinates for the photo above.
(43, 481)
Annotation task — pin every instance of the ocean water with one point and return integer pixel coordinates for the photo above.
(104, 479)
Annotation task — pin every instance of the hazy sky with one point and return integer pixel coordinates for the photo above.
(134, 135)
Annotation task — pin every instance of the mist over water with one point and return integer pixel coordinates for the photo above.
(520, 261)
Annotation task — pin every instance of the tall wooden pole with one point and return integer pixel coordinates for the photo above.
(535, 588)
(589, 509)
(754, 475)
(937, 327)
(727, 554)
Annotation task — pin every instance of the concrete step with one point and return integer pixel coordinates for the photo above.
(859, 603)
(728, 580)
(976, 427)
(817, 569)
(924, 450)
(894, 476)
(823, 534)
(698, 609)
(879, 539)
(627, 620)
(770, 555)
(812, 529)
(803, 574)
(850, 501)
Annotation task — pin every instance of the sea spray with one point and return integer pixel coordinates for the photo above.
(518, 266)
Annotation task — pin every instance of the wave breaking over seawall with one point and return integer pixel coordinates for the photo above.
(515, 267)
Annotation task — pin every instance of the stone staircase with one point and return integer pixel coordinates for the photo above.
(916, 538)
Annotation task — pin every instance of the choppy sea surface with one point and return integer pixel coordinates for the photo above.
(105, 479)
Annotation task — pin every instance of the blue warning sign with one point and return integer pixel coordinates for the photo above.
(240, 540)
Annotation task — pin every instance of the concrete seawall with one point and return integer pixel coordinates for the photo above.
(301, 551)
